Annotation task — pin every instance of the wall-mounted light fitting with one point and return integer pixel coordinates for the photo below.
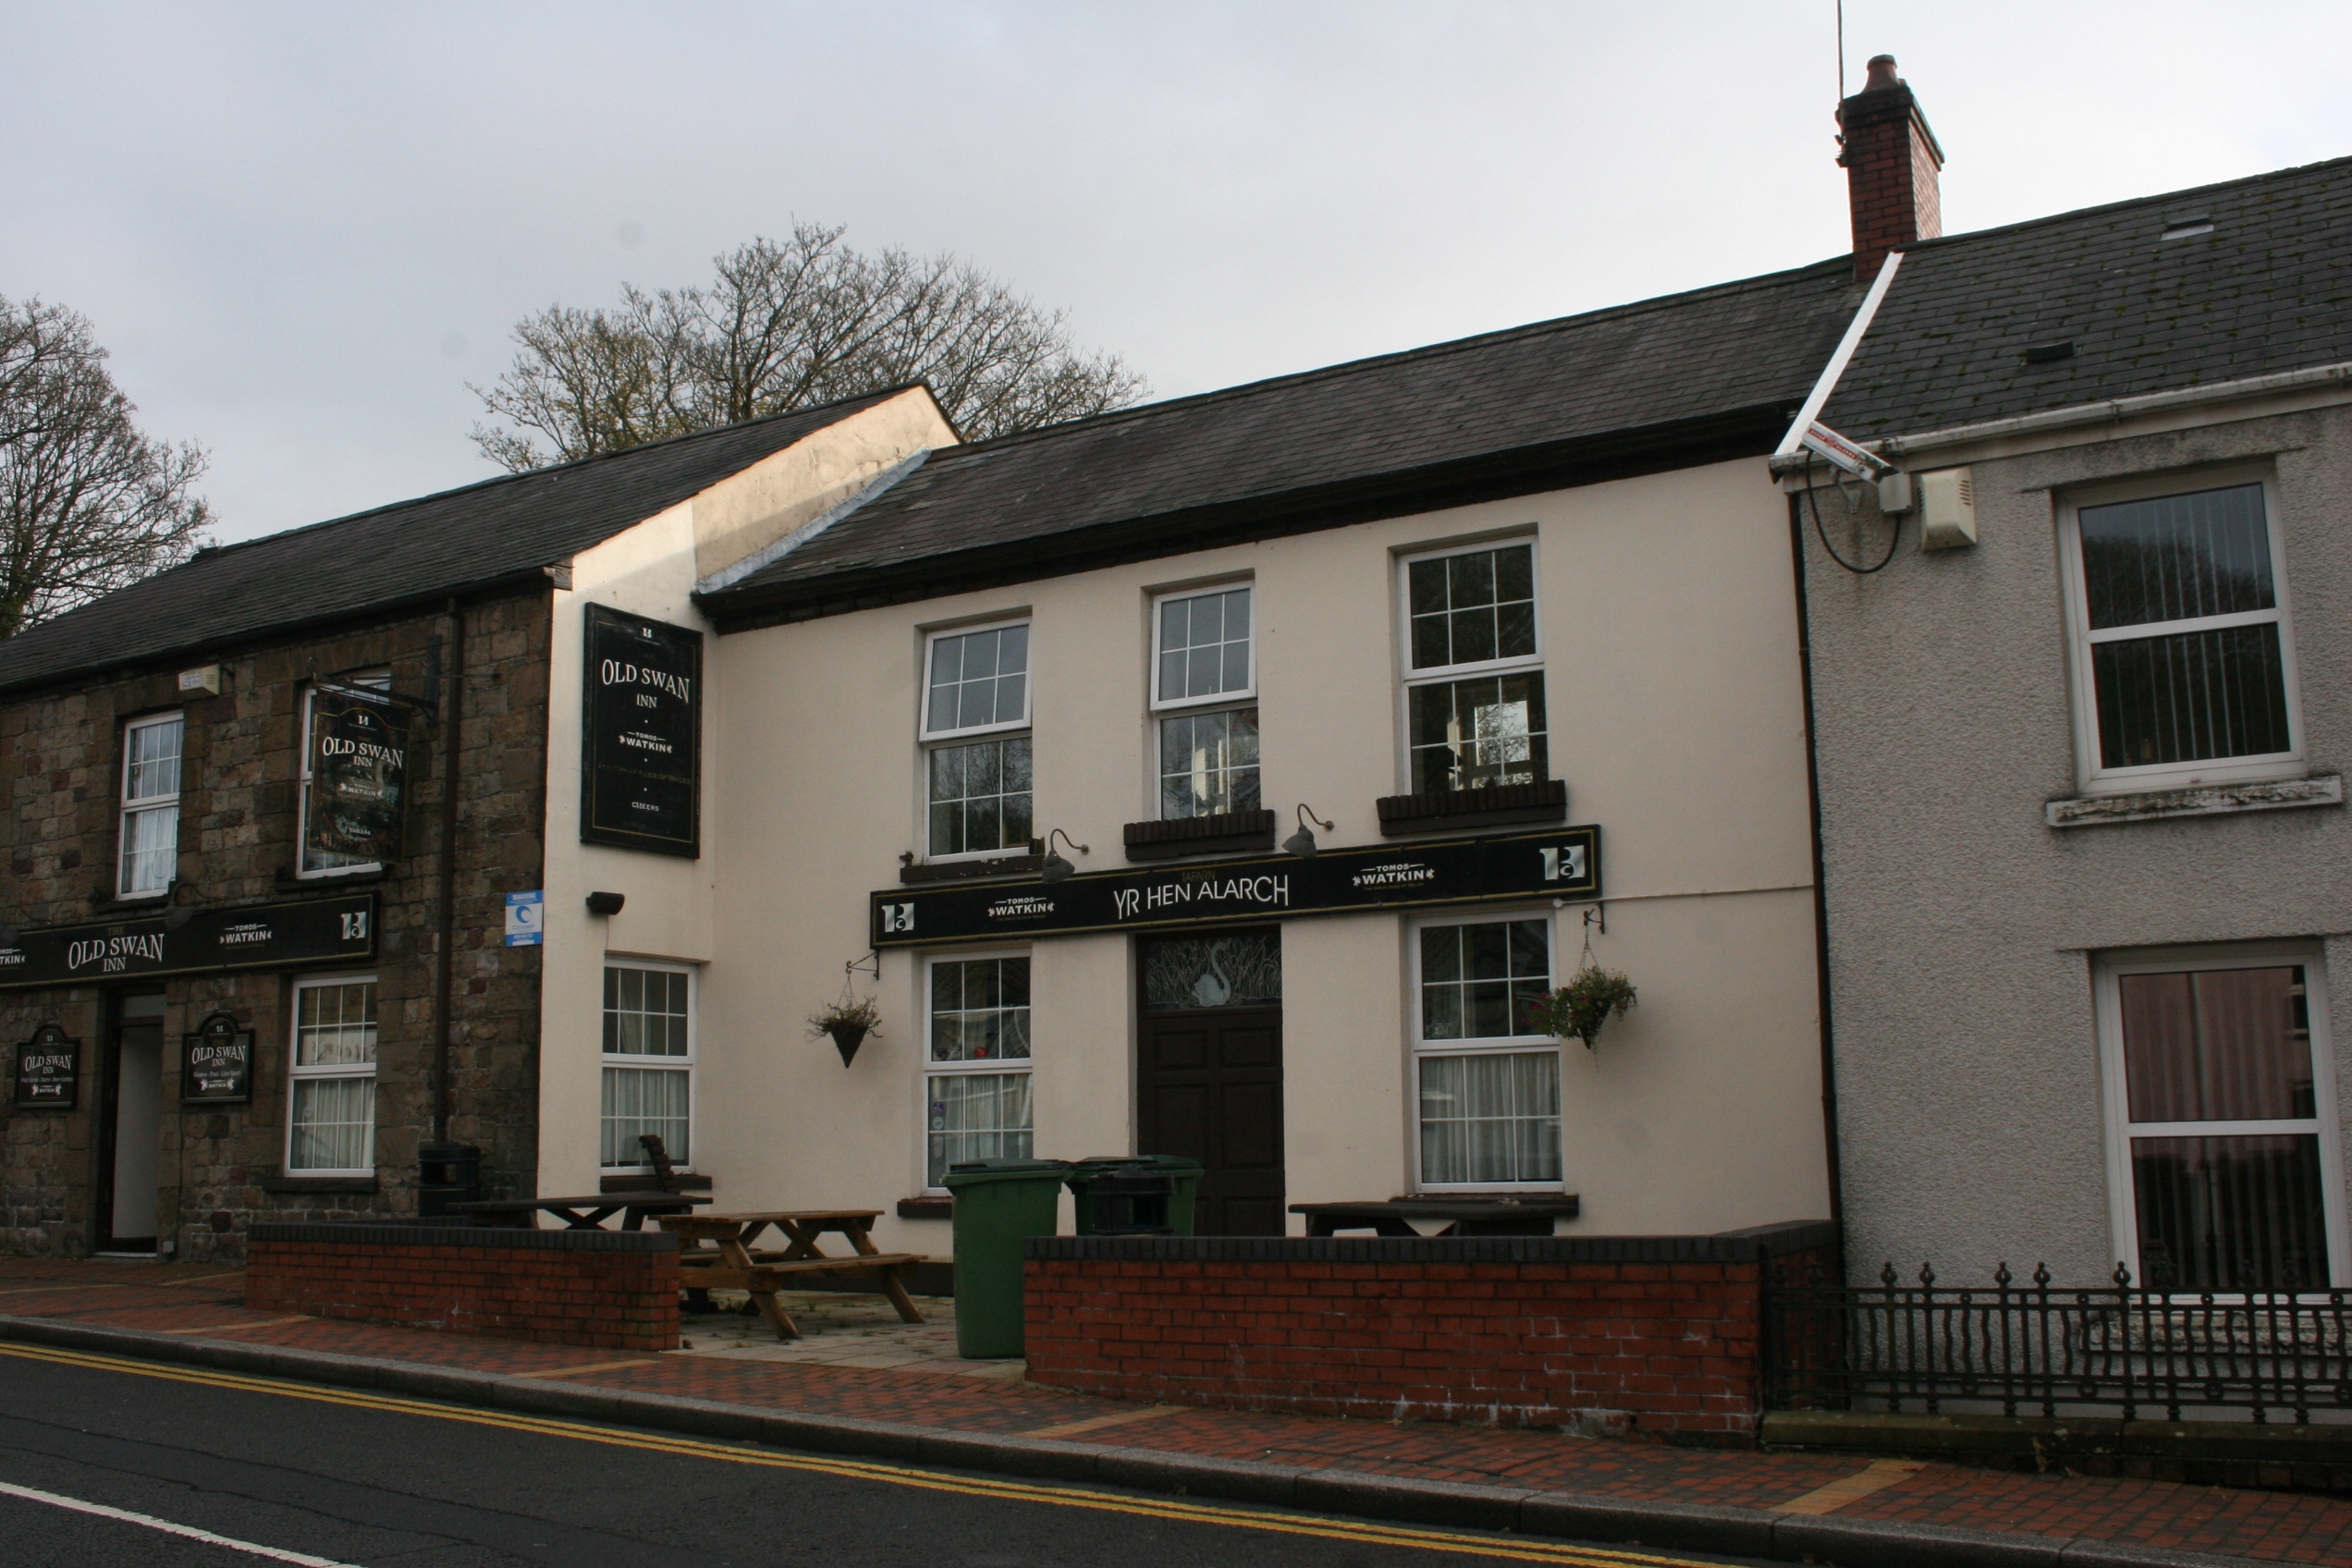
(607, 904)
(1056, 868)
(1301, 844)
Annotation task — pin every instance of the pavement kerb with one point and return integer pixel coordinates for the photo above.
(1844, 1543)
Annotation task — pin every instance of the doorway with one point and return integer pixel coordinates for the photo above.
(1208, 1078)
(131, 1128)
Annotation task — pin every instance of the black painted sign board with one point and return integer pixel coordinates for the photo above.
(216, 1064)
(1561, 863)
(48, 1070)
(640, 774)
(258, 937)
(357, 798)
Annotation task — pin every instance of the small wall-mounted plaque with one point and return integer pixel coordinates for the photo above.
(48, 1070)
(216, 1064)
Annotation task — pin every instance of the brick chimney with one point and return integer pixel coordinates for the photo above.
(1890, 159)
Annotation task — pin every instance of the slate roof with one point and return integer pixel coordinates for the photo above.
(1168, 469)
(504, 528)
(2269, 290)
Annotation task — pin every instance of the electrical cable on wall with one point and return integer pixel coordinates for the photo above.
(1894, 538)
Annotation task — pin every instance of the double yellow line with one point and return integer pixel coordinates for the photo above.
(1174, 1509)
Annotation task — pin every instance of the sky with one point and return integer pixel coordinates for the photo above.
(302, 230)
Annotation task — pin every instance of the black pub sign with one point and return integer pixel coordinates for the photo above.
(257, 937)
(641, 780)
(357, 797)
(48, 1070)
(1561, 863)
(216, 1064)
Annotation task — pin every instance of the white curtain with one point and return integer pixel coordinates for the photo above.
(1491, 1118)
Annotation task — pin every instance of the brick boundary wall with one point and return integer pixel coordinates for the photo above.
(1629, 1335)
(611, 1289)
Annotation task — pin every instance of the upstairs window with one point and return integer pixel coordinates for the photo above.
(2185, 671)
(1475, 685)
(150, 806)
(1205, 676)
(977, 791)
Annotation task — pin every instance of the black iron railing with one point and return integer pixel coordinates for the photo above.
(2034, 1350)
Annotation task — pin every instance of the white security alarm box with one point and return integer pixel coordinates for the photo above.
(1947, 509)
(204, 678)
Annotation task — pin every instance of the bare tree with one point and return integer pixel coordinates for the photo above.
(787, 324)
(88, 505)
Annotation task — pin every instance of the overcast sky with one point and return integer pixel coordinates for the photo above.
(303, 228)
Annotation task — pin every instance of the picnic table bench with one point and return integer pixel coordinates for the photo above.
(724, 1258)
(587, 1213)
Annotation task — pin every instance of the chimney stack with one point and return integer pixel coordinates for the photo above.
(1890, 159)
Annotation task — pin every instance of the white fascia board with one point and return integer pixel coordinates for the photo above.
(1830, 372)
(811, 528)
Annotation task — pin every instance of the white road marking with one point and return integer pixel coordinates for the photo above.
(276, 1554)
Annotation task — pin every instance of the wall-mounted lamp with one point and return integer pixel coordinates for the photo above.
(607, 904)
(1056, 868)
(1301, 844)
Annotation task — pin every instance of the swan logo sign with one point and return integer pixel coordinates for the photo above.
(641, 779)
(216, 1064)
(1561, 863)
(48, 1070)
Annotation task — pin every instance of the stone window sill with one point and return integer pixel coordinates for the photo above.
(2197, 800)
(1002, 866)
(318, 1184)
(927, 1209)
(1239, 832)
(1453, 811)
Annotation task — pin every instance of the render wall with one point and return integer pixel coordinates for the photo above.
(1962, 927)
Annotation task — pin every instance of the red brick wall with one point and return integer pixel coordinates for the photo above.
(453, 1280)
(1623, 1346)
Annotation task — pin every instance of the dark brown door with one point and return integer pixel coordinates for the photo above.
(1209, 1077)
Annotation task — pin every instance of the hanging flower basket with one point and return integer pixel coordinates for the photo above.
(1578, 1009)
(849, 1023)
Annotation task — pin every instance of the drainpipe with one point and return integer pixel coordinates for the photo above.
(444, 1025)
(1821, 878)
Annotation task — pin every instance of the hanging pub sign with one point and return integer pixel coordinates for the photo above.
(216, 1064)
(641, 779)
(357, 798)
(258, 937)
(1561, 862)
(48, 1070)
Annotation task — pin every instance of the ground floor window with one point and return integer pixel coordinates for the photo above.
(649, 1063)
(976, 1094)
(331, 1114)
(2220, 1104)
(1488, 1081)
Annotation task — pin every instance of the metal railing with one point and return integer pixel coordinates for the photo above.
(2032, 1349)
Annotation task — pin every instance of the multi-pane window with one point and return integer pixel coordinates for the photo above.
(1203, 660)
(331, 1118)
(149, 805)
(649, 1063)
(2182, 638)
(1475, 685)
(977, 1090)
(2223, 1124)
(1489, 1078)
(977, 791)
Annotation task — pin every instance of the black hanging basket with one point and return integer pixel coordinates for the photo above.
(847, 1037)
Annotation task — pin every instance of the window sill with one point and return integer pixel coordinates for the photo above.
(318, 1184)
(628, 1181)
(927, 1209)
(291, 881)
(2198, 799)
(1234, 832)
(1030, 865)
(1446, 810)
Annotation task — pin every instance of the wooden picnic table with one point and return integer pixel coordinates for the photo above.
(587, 1213)
(731, 1263)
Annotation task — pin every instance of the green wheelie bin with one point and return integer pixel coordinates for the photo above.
(1183, 1172)
(998, 1205)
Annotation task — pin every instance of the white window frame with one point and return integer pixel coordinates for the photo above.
(127, 808)
(2090, 775)
(928, 1069)
(374, 680)
(1436, 673)
(1418, 1050)
(686, 1064)
(1028, 686)
(1246, 696)
(296, 1073)
(2107, 1005)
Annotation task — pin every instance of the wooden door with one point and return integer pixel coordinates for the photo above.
(1209, 1078)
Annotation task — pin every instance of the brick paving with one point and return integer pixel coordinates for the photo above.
(931, 1391)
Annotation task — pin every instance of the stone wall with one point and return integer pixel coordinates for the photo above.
(60, 764)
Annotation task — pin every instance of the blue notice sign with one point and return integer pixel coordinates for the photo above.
(523, 929)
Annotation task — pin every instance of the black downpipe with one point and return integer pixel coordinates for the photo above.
(1821, 878)
(444, 1025)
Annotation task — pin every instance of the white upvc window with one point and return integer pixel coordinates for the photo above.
(2224, 1158)
(1473, 685)
(2182, 647)
(316, 862)
(648, 1063)
(330, 1121)
(976, 1099)
(1487, 1080)
(150, 858)
(1204, 683)
(978, 788)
